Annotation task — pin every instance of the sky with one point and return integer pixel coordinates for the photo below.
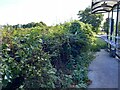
(50, 12)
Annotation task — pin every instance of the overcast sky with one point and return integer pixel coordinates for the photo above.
(48, 11)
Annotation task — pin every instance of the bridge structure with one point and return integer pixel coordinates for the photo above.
(112, 7)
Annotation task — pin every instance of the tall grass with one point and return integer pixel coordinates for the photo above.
(98, 44)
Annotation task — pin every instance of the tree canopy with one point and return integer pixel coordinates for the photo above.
(30, 25)
(93, 19)
(106, 25)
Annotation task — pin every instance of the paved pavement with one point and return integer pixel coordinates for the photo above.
(103, 71)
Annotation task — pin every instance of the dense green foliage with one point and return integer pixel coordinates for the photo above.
(119, 28)
(47, 57)
(93, 19)
(106, 25)
(29, 25)
(98, 44)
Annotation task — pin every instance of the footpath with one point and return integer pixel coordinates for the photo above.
(104, 71)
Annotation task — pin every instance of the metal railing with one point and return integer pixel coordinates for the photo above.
(115, 46)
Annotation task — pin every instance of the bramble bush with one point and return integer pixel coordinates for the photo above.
(24, 60)
(49, 57)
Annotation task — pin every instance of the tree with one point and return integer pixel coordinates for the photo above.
(93, 19)
(106, 25)
(30, 25)
(119, 28)
(41, 24)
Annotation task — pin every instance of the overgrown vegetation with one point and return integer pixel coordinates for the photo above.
(47, 56)
(98, 44)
